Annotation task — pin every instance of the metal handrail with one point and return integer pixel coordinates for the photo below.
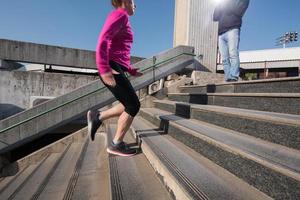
(82, 96)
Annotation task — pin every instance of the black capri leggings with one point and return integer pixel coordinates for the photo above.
(123, 91)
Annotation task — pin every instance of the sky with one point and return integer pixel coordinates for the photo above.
(77, 23)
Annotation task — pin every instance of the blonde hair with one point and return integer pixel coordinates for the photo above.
(116, 3)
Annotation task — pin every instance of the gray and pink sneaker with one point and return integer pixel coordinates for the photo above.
(121, 149)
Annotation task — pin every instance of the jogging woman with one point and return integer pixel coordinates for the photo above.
(113, 60)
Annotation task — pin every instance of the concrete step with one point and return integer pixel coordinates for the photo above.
(271, 102)
(93, 180)
(133, 177)
(187, 174)
(280, 85)
(79, 171)
(28, 181)
(278, 128)
(11, 185)
(65, 174)
(271, 168)
(42, 162)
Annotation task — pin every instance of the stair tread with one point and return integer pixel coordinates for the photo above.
(136, 176)
(58, 182)
(246, 82)
(93, 180)
(277, 95)
(272, 116)
(12, 183)
(38, 173)
(210, 180)
(281, 158)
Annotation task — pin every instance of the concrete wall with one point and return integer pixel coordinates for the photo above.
(16, 88)
(46, 54)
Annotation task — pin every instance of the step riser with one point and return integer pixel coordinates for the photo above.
(286, 135)
(275, 87)
(208, 89)
(272, 87)
(255, 174)
(283, 134)
(289, 105)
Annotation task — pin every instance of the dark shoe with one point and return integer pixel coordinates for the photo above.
(121, 149)
(231, 80)
(93, 123)
(242, 73)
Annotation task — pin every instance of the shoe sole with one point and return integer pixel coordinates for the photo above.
(119, 153)
(89, 121)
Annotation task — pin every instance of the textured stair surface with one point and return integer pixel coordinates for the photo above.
(10, 188)
(279, 85)
(188, 174)
(57, 184)
(93, 180)
(273, 102)
(243, 155)
(56, 175)
(133, 177)
(34, 180)
(279, 128)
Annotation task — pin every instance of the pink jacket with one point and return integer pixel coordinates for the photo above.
(115, 42)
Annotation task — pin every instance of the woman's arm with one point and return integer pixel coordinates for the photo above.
(111, 28)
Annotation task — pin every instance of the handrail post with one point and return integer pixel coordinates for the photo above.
(154, 66)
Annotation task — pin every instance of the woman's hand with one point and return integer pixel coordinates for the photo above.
(135, 72)
(108, 79)
(138, 73)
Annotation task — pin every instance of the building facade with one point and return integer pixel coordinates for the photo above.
(194, 26)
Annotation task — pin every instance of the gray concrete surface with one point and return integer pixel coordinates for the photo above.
(133, 177)
(202, 77)
(23, 132)
(183, 175)
(278, 128)
(275, 179)
(17, 87)
(288, 103)
(278, 85)
(46, 54)
(9, 65)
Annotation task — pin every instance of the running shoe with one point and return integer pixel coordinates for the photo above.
(121, 149)
(93, 123)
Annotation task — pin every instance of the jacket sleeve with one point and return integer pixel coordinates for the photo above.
(111, 28)
(240, 7)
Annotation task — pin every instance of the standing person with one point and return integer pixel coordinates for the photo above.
(229, 14)
(113, 60)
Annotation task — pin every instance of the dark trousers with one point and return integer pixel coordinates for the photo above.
(123, 91)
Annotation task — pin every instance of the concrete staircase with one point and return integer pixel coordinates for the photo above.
(218, 148)
(76, 168)
(227, 141)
